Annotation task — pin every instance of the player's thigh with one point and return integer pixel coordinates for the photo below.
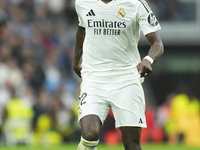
(131, 135)
(92, 115)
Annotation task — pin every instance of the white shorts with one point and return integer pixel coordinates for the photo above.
(126, 99)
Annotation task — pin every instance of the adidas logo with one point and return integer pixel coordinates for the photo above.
(140, 121)
(90, 13)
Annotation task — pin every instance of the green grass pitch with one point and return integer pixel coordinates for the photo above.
(101, 147)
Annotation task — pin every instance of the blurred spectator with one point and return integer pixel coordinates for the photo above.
(17, 118)
(43, 121)
(183, 123)
(173, 10)
(154, 132)
(163, 112)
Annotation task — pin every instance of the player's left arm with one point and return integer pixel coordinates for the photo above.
(155, 52)
(80, 36)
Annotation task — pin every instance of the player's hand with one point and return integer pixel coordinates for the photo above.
(144, 68)
(77, 69)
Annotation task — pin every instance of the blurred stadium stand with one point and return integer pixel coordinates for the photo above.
(36, 52)
(180, 21)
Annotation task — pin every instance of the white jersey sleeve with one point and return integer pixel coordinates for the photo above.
(146, 18)
(81, 22)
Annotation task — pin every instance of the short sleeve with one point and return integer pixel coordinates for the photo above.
(80, 19)
(147, 20)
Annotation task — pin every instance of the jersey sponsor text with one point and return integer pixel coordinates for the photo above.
(102, 27)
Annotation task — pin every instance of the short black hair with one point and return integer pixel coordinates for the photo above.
(3, 18)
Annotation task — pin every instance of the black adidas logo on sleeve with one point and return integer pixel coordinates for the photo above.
(90, 13)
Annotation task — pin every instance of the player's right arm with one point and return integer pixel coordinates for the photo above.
(80, 36)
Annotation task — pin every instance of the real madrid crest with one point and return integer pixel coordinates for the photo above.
(121, 13)
(80, 112)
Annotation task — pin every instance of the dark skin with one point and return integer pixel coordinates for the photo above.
(155, 52)
(106, 1)
(80, 36)
(91, 124)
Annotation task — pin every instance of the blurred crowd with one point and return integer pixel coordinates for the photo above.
(177, 120)
(39, 90)
(174, 10)
(36, 78)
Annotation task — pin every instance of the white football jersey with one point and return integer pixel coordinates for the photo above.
(112, 34)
